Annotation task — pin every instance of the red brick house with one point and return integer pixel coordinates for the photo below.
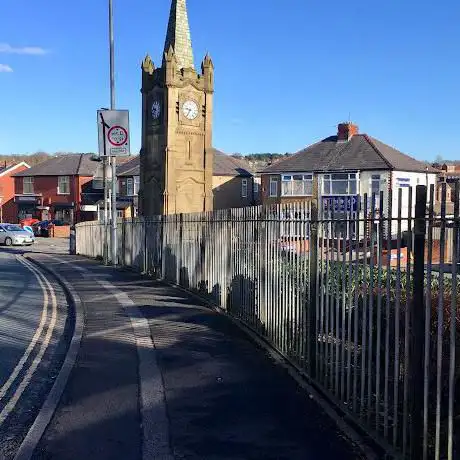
(8, 207)
(53, 189)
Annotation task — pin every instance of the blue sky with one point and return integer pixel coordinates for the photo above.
(286, 71)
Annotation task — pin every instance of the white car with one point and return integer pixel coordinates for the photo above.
(13, 234)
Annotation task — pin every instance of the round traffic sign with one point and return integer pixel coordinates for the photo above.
(117, 135)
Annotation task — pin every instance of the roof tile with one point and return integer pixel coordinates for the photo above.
(361, 152)
(63, 165)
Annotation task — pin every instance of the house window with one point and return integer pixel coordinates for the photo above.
(244, 188)
(256, 188)
(375, 184)
(28, 185)
(120, 213)
(129, 186)
(297, 185)
(137, 181)
(340, 184)
(273, 186)
(63, 185)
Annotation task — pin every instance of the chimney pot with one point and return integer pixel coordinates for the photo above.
(346, 131)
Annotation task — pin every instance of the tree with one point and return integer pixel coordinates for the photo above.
(439, 159)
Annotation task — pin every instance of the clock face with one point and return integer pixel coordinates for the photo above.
(156, 110)
(190, 110)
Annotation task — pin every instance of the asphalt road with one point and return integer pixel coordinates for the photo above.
(33, 341)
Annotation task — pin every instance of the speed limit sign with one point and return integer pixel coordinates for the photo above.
(113, 132)
(117, 136)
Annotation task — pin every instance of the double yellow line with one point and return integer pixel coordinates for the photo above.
(49, 297)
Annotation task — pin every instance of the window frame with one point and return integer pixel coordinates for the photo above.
(375, 178)
(137, 185)
(289, 178)
(129, 186)
(273, 181)
(30, 182)
(244, 188)
(328, 178)
(59, 190)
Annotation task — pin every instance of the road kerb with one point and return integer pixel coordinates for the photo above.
(51, 403)
(155, 423)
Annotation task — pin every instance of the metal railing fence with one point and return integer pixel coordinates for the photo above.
(364, 303)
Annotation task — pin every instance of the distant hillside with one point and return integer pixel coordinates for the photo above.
(259, 161)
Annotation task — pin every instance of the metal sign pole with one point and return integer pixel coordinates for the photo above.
(106, 199)
(114, 160)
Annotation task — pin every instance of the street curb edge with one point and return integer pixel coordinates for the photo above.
(35, 433)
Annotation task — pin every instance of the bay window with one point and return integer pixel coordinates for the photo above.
(297, 185)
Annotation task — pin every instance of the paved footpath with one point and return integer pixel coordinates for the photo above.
(194, 386)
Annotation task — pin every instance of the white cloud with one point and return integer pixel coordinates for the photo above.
(32, 50)
(5, 68)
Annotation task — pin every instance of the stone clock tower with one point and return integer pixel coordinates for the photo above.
(176, 156)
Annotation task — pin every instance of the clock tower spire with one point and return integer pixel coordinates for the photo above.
(177, 108)
(178, 35)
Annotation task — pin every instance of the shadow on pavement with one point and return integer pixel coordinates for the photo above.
(225, 397)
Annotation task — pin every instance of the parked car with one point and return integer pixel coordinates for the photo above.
(13, 234)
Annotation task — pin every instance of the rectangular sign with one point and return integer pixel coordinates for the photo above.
(346, 203)
(113, 132)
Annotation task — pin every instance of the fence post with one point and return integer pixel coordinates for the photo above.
(123, 242)
(163, 234)
(145, 268)
(179, 250)
(262, 273)
(203, 268)
(417, 326)
(313, 275)
(228, 265)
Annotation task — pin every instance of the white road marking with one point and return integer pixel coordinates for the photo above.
(36, 336)
(155, 423)
(33, 367)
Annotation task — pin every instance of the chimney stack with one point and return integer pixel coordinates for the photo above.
(346, 131)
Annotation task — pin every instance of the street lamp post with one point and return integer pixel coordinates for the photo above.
(113, 159)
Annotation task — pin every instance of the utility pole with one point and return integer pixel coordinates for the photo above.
(113, 159)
